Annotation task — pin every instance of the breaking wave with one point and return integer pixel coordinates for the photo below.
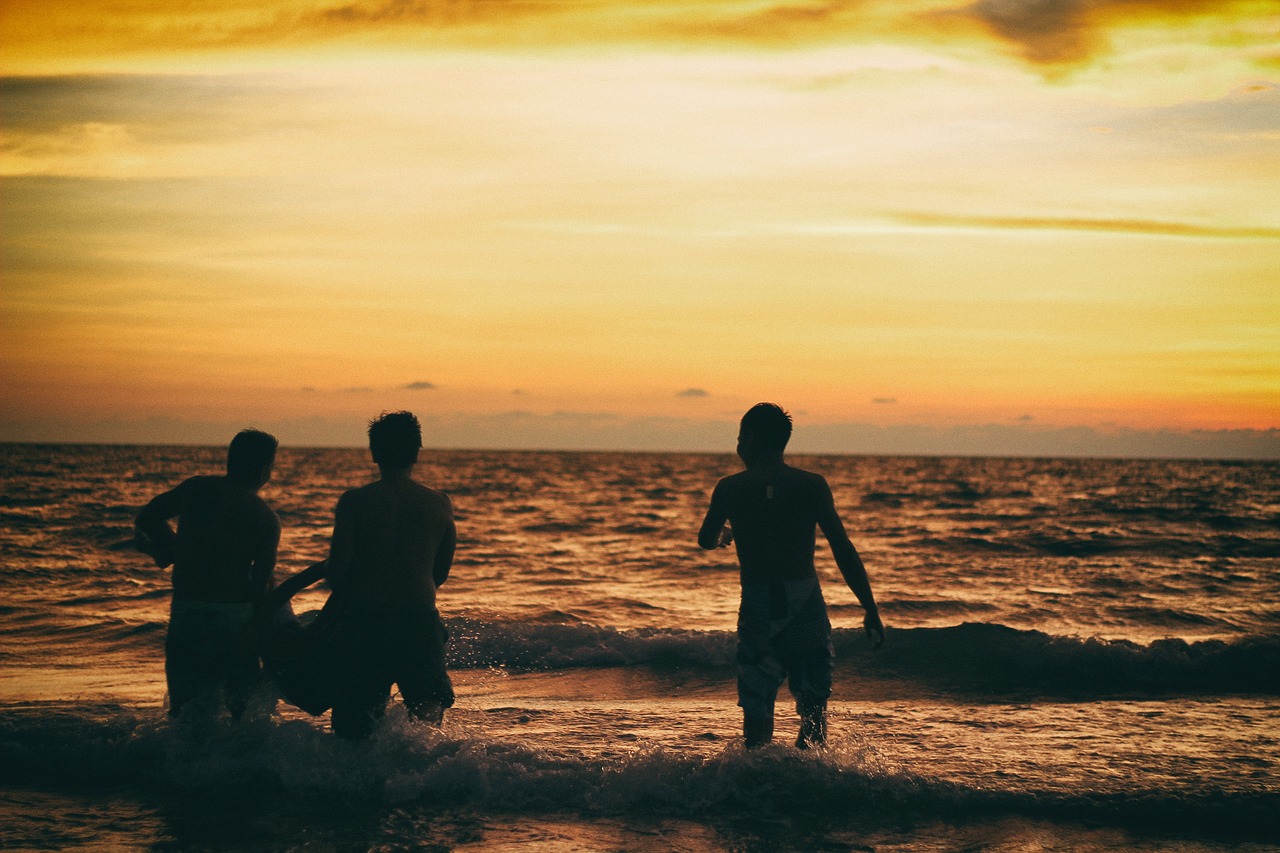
(112, 748)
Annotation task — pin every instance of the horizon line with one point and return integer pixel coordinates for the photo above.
(1082, 456)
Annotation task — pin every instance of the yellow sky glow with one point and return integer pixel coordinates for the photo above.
(929, 215)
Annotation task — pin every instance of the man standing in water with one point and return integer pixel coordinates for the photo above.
(772, 510)
(393, 543)
(223, 555)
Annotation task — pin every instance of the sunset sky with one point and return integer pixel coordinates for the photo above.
(1002, 227)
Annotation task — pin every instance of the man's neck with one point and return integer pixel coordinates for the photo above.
(395, 474)
(765, 462)
(249, 485)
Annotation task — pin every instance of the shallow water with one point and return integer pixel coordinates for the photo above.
(1082, 655)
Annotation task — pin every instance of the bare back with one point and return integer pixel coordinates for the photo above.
(774, 511)
(393, 543)
(225, 546)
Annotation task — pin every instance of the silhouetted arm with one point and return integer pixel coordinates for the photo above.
(264, 561)
(153, 524)
(444, 553)
(341, 544)
(713, 533)
(294, 584)
(850, 564)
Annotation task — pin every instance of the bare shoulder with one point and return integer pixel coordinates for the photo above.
(433, 499)
(202, 484)
(807, 481)
(265, 512)
(351, 496)
(729, 488)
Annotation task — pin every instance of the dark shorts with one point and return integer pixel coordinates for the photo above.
(376, 649)
(783, 635)
(207, 654)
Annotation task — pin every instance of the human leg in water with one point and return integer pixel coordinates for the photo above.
(813, 723)
(760, 674)
(809, 677)
(419, 669)
(756, 731)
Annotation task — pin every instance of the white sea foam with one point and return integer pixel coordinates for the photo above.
(114, 749)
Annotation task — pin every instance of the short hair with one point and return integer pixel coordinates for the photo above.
(251, 454)
(769, 424)
(395, 439)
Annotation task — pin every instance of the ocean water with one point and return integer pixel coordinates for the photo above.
(1082, 655)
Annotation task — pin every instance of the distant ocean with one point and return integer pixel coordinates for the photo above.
(1082, 655)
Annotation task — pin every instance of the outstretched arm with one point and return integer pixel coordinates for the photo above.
(294, 584)
(850, 565)
(714, 533)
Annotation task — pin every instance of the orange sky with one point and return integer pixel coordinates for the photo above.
(923, 226)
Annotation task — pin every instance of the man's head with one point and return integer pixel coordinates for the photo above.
(764, 432)
(395, 439)
(250, 456)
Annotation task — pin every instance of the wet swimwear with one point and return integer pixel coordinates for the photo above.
(376, 648)
(206, 655)
(784, 634)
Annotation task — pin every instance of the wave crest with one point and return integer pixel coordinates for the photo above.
(112, 748)
(973, 657)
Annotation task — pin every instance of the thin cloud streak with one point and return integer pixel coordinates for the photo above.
(1117, 226)
(924, 221)
(1044, 32)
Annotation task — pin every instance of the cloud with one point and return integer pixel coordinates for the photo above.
(1153, 227)
(1031, 439)
(137, 125)
(884, 401)
(419, 386)
(784, 23)
(1252, 111)
(693, 392)
(1044, 32)
(1070, 31)
(1047, 30)
(433, 13)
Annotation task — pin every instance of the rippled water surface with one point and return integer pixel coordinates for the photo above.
(1082, 654)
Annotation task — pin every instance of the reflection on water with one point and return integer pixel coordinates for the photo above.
(1083, 654)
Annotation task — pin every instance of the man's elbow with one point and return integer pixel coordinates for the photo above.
(440, 571)
(149, 529)
(145, 518)
(844, 552)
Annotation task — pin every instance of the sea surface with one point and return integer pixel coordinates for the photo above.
(1081, 655)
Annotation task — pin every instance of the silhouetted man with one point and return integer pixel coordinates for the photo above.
(393, 544)
(783, 629)
(223, 555)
